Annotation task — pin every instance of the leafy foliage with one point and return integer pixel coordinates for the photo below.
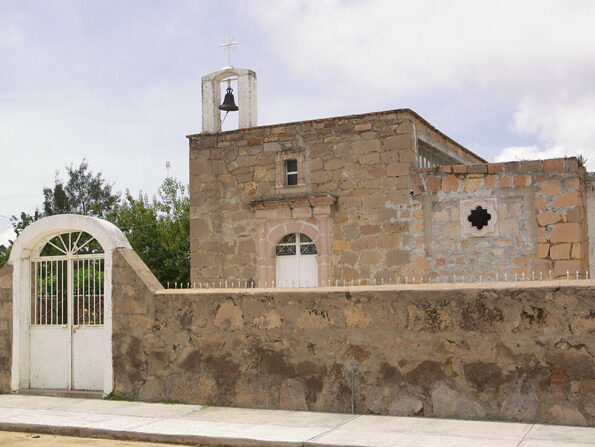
(158, 229)
(84, 193)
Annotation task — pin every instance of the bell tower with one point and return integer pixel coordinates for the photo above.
(211, 95)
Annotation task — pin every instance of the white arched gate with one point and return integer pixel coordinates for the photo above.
(67, 314)
(62, 304)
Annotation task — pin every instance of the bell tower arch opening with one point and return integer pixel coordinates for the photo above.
(221, 83)
(212, 86)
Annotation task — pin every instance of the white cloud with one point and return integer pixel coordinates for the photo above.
(563, 126)
(6, 232)
(6, 236)
(397, 46)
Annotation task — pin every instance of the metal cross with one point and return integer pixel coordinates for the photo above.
(227, 45)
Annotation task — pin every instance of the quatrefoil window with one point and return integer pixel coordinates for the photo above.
(479, 217)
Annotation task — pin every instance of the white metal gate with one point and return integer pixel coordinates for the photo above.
(296, 264)
(67, 342)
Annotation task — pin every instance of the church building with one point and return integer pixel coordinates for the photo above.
(381, 197)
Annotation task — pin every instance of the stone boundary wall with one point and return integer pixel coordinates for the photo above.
(5, 327)
(542, 218)
(499, 351)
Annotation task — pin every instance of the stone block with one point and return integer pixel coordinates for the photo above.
(434, 184)
(371, 158)
(548, 217)
(553, 165)
(490, 181)
(505, 182)
(396, 142)
(529, 166)
(572, 165)
(572, 183)
(576, 252)
(292, 396)
(336, 163)
(472, 184)
(333, 140)
(450, 183)
(539, 203)
(397, 169)
(570, 198)
(406, 127)
(477, 169)
(495, 168)
(543, 250)
(365, 146)
(407, 156)
(272, 147)
(362, 127)
(560, 251)
(566, 232)
(229, 317)
(319, 177)
(397, 257)
(449, 403)
(563, 266)
(459, 169)
(520, 400)
(551, 188)
(512, 167)
(522, 180)
(370, 257)
(369, 229)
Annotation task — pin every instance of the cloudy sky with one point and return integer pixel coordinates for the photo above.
(118, 82)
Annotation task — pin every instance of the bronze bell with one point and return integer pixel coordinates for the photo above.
(229, 104)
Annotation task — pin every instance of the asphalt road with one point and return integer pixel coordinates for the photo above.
(14, 439)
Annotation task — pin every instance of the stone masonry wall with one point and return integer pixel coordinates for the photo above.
(363, 161)
(389, 220)
(541, 219)
(5, 327)
(514, 352)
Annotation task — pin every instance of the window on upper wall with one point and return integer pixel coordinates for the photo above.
(291, 172)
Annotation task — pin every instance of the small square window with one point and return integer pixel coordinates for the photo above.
(291, 172)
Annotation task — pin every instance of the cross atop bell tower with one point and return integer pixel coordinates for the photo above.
(227, 45)
(211, 94)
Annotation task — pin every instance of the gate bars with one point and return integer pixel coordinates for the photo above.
(58, 281)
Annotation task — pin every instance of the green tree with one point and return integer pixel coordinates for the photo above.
(159, 230)
(4, 254)
(83, 193)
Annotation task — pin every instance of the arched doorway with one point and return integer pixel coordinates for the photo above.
(296, 264)
(68, 314)
(62, 304)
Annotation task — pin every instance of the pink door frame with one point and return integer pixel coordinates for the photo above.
(277, 218)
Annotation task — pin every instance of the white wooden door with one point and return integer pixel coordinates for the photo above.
(296, 264)
(67, 337)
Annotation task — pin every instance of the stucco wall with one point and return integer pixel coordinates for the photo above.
(541, 212)
(5, 327)
(497, 351)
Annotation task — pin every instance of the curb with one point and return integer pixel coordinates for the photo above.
(194, 440)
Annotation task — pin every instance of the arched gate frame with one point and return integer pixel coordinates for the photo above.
(25, 256)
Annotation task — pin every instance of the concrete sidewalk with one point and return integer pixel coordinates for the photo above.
(216, 426)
